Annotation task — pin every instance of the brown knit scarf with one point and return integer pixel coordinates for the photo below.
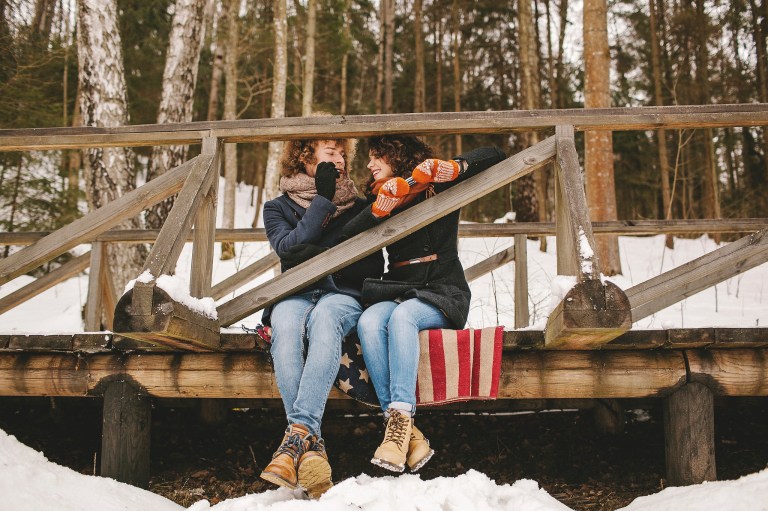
(300, 188)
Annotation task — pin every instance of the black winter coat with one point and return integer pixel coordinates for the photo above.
(288, 224)
(441, 282)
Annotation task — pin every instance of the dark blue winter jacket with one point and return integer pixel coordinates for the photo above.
(288, 224)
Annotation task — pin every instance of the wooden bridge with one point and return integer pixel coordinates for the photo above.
(162, 349)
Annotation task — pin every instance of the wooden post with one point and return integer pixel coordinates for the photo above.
(205, 228)
(689, 435)
(609, 416)
(521, 281)
(94, 302)
(125, 435)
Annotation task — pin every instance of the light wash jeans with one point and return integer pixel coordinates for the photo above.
(319, 321)
(389, 334)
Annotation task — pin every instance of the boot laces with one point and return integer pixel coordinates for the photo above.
(316, 444)
(292, 446)
(396, 428)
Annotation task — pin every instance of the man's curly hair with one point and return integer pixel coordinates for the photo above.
(402, 152)
(297, 153)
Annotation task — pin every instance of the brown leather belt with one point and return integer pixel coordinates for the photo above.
(417, 260)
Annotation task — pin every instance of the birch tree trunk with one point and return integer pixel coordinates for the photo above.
(272, 178)
(309, 60)
(529, 202)
(759, 34)
(217, 66)
(109, 171)
(419, 93)
(598, 153)
(179, 79)
(380, 56)
(230, 114)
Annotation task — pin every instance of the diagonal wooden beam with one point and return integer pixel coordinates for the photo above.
(47, 281)
(688, 279)
(245, 275)
(389, 231)
(85, 229)
(489, 264)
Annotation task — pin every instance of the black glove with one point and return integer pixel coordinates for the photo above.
(297, 254)
(325, 179)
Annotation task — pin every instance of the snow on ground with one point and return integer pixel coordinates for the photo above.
(28, 482)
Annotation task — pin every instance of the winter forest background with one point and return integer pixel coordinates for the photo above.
(157, 61)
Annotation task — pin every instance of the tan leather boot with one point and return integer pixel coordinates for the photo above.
(392, 452)
(419, 451)
(314, 469)
(282, 470)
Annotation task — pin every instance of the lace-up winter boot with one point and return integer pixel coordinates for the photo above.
(283, 467)
(419, 451)
(314, 469)
(392, 452)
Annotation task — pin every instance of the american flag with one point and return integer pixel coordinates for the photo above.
(454, 365)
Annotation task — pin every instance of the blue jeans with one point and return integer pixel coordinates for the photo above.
(315, 322)
(389, 335)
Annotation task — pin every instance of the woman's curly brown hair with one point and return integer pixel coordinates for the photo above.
(402, 152)
(297, 153)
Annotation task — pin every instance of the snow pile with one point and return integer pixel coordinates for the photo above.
(749, 493)
(29, 482)
(472, 491)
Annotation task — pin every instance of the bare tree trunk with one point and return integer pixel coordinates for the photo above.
(439, 66)
(551, 77)
(109, 171)
(217, 67)
(759, 35)
(309, 60)
(598, 154)
(230, 114)
(345, 60)
(272, 178)
(661, 134)
(179, 79)
(419, 92)
(380, 56)
(560, 66)
(389, 43)
(456, 68)
(41, 25)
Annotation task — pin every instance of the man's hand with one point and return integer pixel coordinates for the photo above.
(325, 179)
(297, 254)
(389, 196)
(436, 171)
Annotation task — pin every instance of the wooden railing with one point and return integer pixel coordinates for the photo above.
(125, 370)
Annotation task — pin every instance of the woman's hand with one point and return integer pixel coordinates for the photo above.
(436, 171)
(297, 254)
(389, 196)
(325, 179)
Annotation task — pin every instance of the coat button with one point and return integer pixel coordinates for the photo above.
(426, 249)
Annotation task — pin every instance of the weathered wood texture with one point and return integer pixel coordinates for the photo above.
(94, 305)
(253, 130)
(165, 321)
(85, 229)
(47, 281)
(205, 226)
(688, 279)
(522, 317)
(389, 231)
(618, 227)
(524, 374)
(126, 433)
(591, 314)
(572, 212)
(689, 435)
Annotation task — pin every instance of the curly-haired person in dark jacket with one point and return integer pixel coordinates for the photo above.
(318, 199)
(423, 289)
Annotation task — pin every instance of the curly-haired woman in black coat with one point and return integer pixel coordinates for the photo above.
(424, 287)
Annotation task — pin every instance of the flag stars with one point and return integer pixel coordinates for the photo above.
(345, 360)
(345, 386)
(364, 374)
